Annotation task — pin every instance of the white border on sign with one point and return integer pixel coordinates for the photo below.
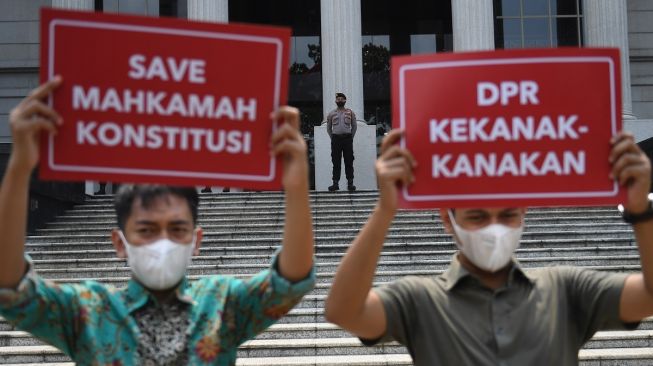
(527, 60)
(151, 29)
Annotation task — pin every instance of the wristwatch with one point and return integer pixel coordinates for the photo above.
(635, 218)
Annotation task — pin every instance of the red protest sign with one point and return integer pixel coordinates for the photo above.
(509, 128)
(162, 100)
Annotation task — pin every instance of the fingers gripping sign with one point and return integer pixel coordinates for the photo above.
(288, 143)
(28, 119)
(632, 169)
(394, 167)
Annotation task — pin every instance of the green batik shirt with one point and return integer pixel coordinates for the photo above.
(93, 323)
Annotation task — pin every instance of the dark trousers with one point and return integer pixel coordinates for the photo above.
(342, 146)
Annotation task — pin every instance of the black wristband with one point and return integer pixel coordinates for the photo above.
(635, 218)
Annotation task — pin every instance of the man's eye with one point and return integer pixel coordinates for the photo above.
(180, 230)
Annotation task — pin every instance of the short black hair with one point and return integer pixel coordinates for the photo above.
(341, 95)
(147, 193)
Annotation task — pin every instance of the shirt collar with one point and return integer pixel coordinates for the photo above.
(456, 273)
(136, 296)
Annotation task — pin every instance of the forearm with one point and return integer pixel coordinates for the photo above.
(296, 257)
(644, 237)
(354, 276)
(14, 194)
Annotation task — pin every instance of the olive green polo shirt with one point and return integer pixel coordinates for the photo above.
(540, 317)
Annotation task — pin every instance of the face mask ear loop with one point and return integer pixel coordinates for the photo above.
(126, 244)
(455, 227)
(453, 220)
(192, 244)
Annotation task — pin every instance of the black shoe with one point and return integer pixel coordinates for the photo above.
(351, 187)
(334, 187)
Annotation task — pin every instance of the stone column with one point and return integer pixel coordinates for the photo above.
(209, 10)
(342, 54)
(606, 25)
(473, 25)
(74, 4)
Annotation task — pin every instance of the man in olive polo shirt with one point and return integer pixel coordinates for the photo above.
(486, 310)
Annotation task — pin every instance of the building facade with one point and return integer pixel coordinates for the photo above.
(346, 45)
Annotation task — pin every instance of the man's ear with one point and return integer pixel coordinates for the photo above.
(199, 233)
(118, 244)
(446, 220)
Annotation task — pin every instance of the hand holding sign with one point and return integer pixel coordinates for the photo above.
(394, 168)
(631, 168)
(28, 120)
(288, 143)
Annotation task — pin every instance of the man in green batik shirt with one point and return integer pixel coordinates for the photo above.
(159, 318)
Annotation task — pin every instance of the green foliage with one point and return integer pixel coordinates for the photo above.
(375, 58)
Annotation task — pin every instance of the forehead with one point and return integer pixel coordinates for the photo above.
(162, 208)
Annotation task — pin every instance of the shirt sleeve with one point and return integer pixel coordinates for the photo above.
(260, 301)
(46, 310)
(399, 305)
(354, 124)
(329, 126)
(595, 300)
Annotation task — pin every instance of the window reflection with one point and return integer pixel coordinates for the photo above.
(536, 7)
(304, 54)
(564, 7)
(511, 29)
(422, 43)
(537, 23)
(564, 29)
(508, 7)
(536, 33)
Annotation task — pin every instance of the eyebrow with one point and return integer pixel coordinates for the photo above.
(180, 222)
(144, 222)
(174, 222)
(476, 212)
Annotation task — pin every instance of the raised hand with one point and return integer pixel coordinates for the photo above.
(288, 144)
(631, 168)
(394, 167)
(27, 120)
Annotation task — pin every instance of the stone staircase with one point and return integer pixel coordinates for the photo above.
(242, 231)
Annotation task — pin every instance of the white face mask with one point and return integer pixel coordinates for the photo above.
(159, 265)
(489, 248)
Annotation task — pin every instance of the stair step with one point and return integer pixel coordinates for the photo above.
(243, 257)
(338, 228)
(413, 267)
(619, 356)
(308, 332)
